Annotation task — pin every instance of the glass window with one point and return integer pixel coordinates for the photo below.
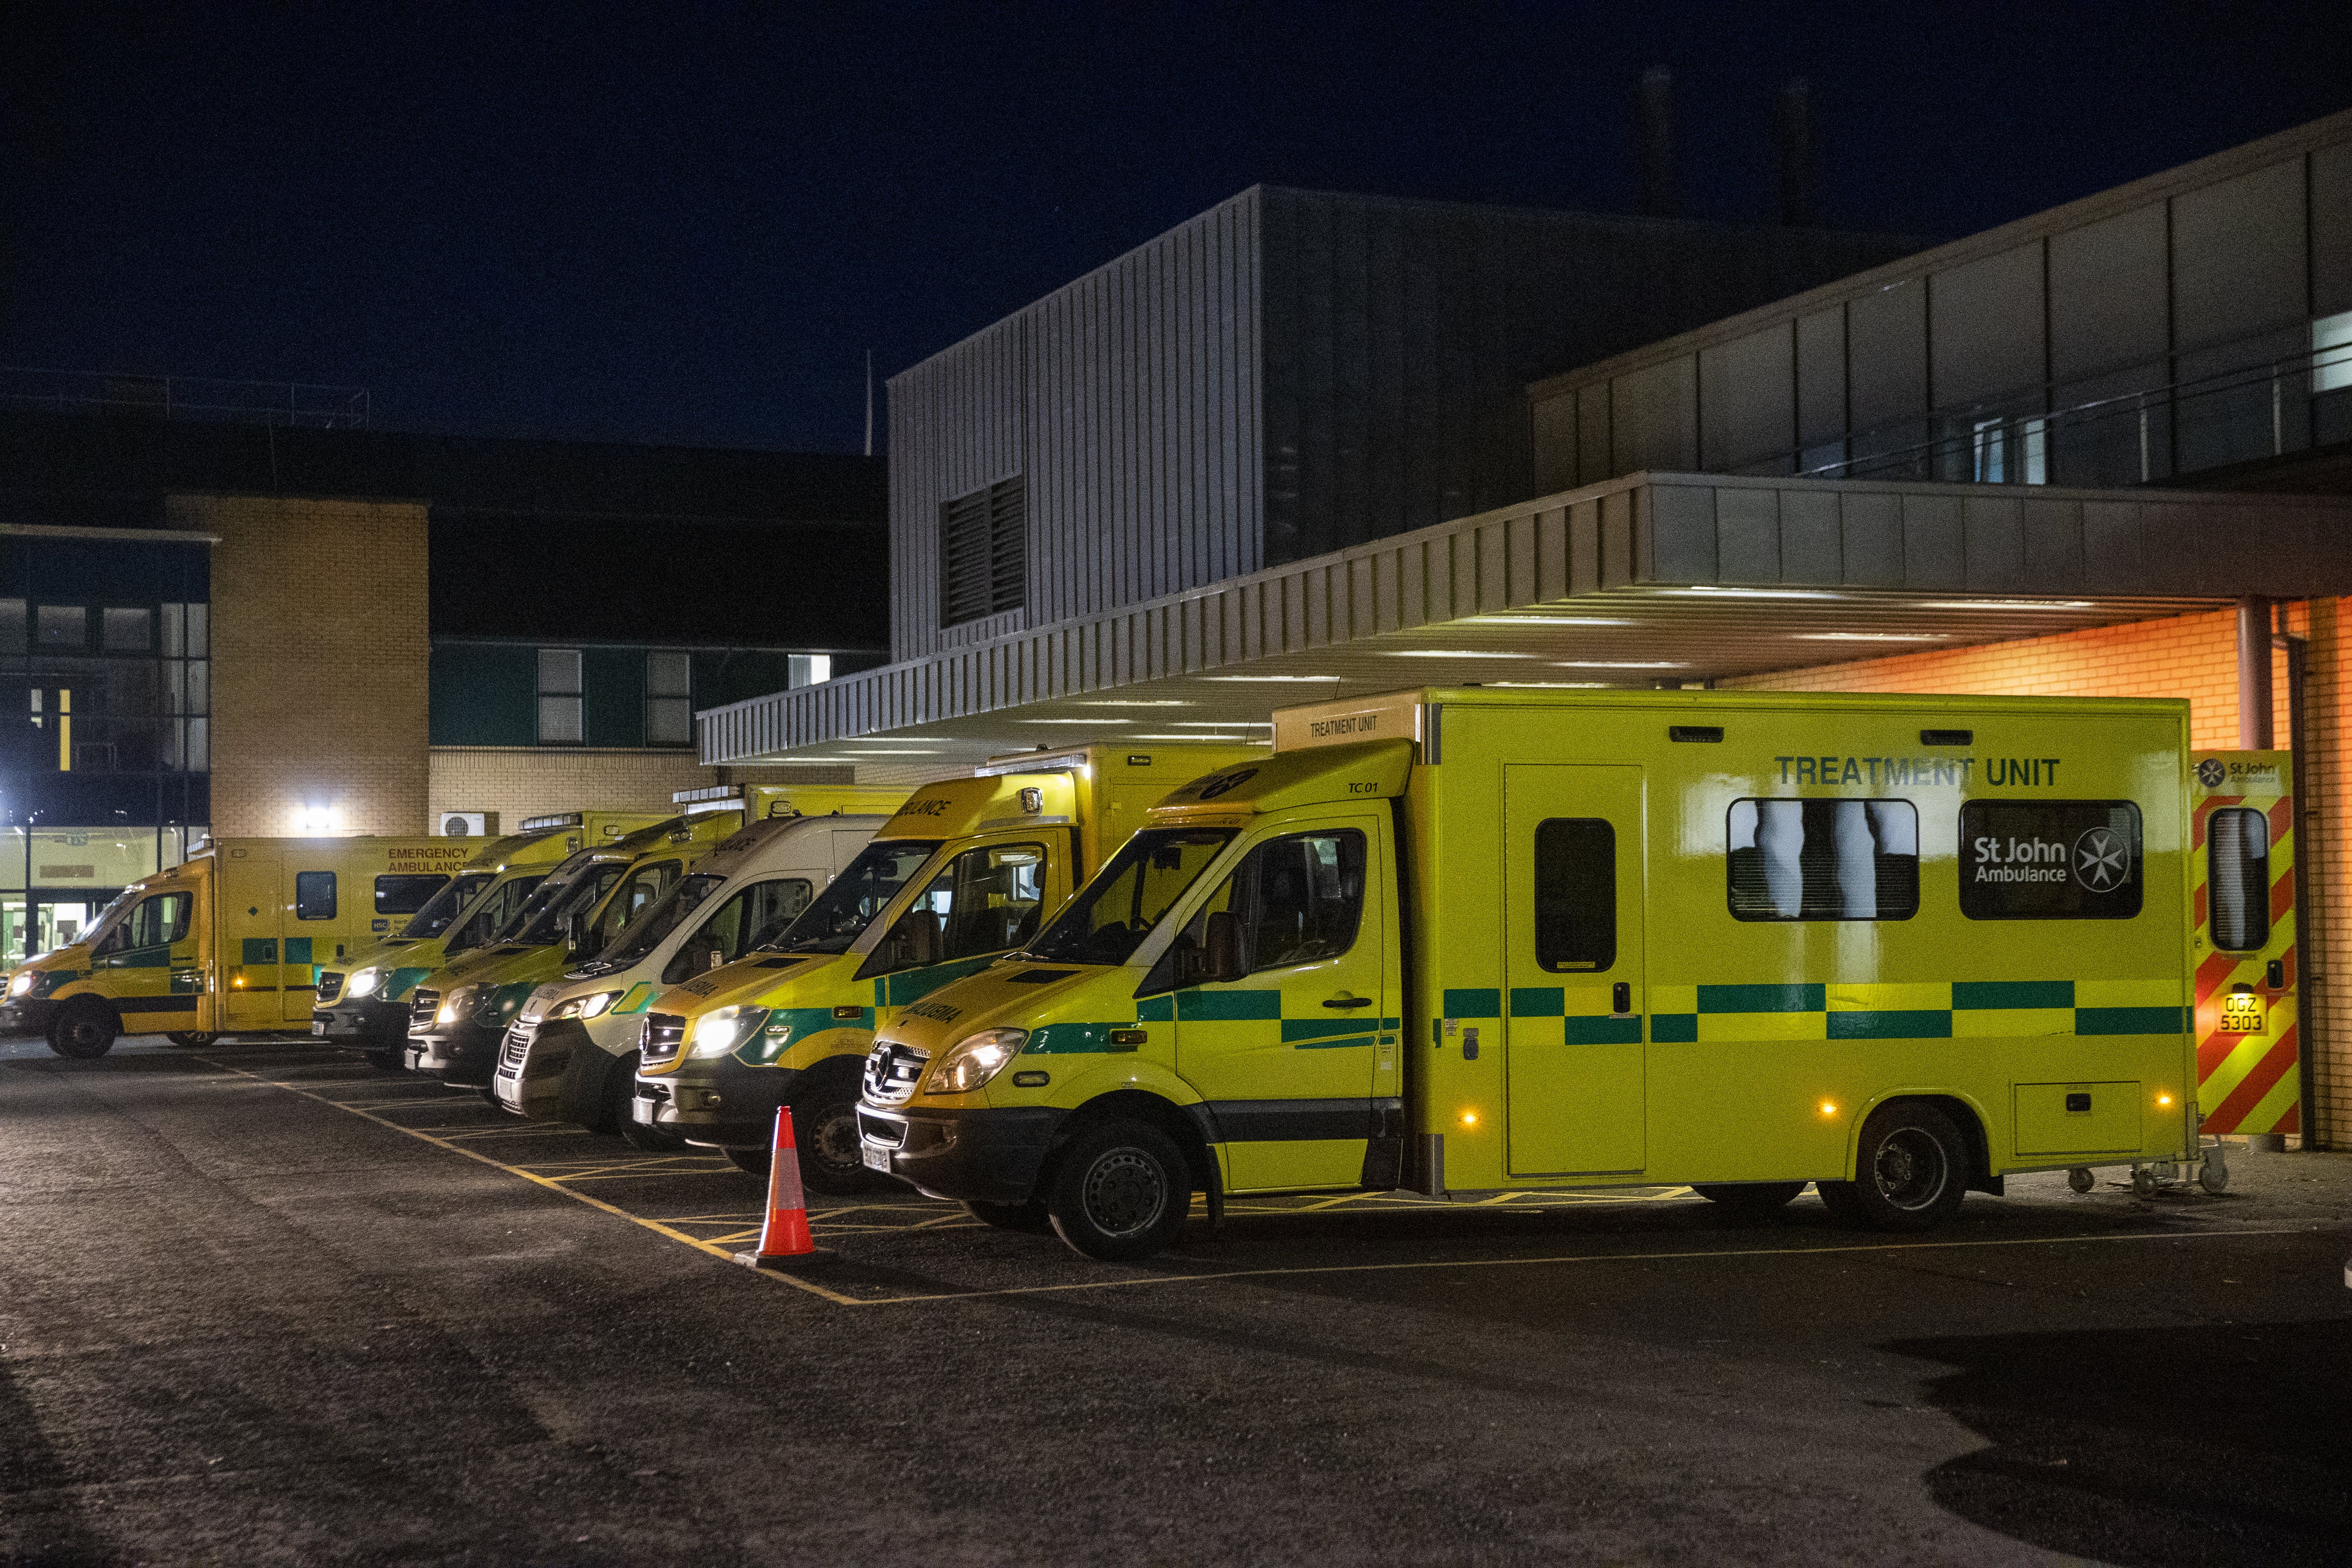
(644, 888)
(2049, 860)
(1576, 893)
(1298, 898)
(737, 926)
(986, 899)
(1127, 898)
(314, 895)
(2238, 879)
(127, 631)
(669, 699)
(2331, 353)
(158, 920)
(841, 913)
(504, 903)
(559, 901)
(439, 911)
(64, 625)
(1824, 859)
(558, 696)
(405, 894)
(809, 668)
(12, 626)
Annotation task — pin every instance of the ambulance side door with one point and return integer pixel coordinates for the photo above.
(251, 914)
(1284, 1055)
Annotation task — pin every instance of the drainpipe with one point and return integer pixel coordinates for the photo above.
(2298, 653)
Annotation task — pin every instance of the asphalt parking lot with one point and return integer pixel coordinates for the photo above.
(266, 1304)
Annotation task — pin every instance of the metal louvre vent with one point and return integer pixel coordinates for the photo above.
(892, 1071)
(330, 988)
(984, 552)
(422, 1006)
(515, 1047)
(664, 1040)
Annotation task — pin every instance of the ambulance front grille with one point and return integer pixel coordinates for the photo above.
(517, 1045)
(892, 1071)
(330, 987)
(422, 1006)
(663, 1041)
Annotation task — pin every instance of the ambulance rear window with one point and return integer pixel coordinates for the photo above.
(1824, 859)
(404, 895)
(2238, 879)
(2049, 860)
(314, 895)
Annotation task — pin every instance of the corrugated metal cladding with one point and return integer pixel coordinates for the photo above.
(1127, 401)
(2199, 285)
(1399, 336)
(1290, 372)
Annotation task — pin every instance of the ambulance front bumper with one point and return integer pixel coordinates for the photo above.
(371, 1023)
(993, 1155)
(464, 1052)
(534, 1059)
(26, 1015)
(720, 1103)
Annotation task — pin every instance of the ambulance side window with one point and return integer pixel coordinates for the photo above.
(1299, 900)
(1822, 860)
(314, 895)
(986, 900)
(160, 919)
(2050, 861)
(2238, 879)
(1576, 893)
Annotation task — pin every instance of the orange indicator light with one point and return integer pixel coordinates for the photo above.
(2164, 1099)
(1827, 1108)
(1469, 1119)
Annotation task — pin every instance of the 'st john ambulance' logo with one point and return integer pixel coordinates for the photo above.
(2100, 860)
(2211, 772)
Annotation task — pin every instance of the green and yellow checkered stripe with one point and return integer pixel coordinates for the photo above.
(1935, 1010)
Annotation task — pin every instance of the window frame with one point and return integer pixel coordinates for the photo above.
(1608, 960)
(576, 696)
(1962, 861)
(439, 880)
(2260, 902)
(304, 901)
(1730, 867)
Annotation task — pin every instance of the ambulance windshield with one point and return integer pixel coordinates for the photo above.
(659, 919)
(843, 911)
(446, 906)
(1108, 921)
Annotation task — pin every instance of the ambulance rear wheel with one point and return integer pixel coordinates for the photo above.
(752, 1162)
(1029, 1217)
(1119, 1192)
(1749, 1198)
(1910, 1173)
(190, 1040)
(84, 1031)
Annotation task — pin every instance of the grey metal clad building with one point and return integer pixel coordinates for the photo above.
(2183, 324)
(1288, 373)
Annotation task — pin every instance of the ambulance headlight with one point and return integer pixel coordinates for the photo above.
(722, 1029)
(22, 984)
(453, 1006)
(974, 1060)
(364, 983)
(588, 1007)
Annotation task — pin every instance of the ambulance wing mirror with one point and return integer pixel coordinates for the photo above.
(1221, 948)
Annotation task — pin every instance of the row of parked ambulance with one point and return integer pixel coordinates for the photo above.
(1463, 941)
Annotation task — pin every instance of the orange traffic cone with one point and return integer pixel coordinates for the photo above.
(784, 1242)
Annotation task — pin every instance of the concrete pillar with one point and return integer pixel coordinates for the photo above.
(2253, 675)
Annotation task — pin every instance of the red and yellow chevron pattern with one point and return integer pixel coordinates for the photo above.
(2247, 1081)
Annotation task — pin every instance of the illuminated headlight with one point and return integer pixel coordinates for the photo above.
(22, 984)
(974, 1060)
(722, 1029)
(588, 1007)
(453, 1006)
(364, 983)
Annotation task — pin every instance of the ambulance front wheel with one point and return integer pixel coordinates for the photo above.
(752, 1162)
(386, 1060)
(1910, 1173)
(825, 1127)
(1030, 1218)
(1119, 1191)
(84, 1030)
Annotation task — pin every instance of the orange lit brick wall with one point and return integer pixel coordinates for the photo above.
(319, 660)
(2194, 657)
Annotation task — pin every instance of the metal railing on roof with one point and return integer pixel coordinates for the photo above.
(306, 404)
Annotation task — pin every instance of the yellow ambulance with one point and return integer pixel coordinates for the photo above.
(230, 941)
(965, 872)
(458, 1014)
(362, 1002)
(1472, 941)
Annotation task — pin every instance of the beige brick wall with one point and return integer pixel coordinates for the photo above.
(2193, 657)
(529, 781)
(319, 660)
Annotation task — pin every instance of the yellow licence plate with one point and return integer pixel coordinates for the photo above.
(2241, 1013)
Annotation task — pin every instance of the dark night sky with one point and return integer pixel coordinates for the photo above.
(688, 222)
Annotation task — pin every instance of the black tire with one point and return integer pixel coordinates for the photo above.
(1910, 1173)
(750, 1161)
(1749, 1199)
(1119, 1191)
(644, 1139)
(1029, 1217)
(824, 1130)
(187, 1039)
(84, 1031)
(385, 1061)
(491, 1097)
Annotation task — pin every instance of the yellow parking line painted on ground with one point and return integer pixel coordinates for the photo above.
(713, 1248)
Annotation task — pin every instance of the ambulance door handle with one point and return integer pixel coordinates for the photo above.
(2275, 974)
(1621, 996)
(1348, 1001)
